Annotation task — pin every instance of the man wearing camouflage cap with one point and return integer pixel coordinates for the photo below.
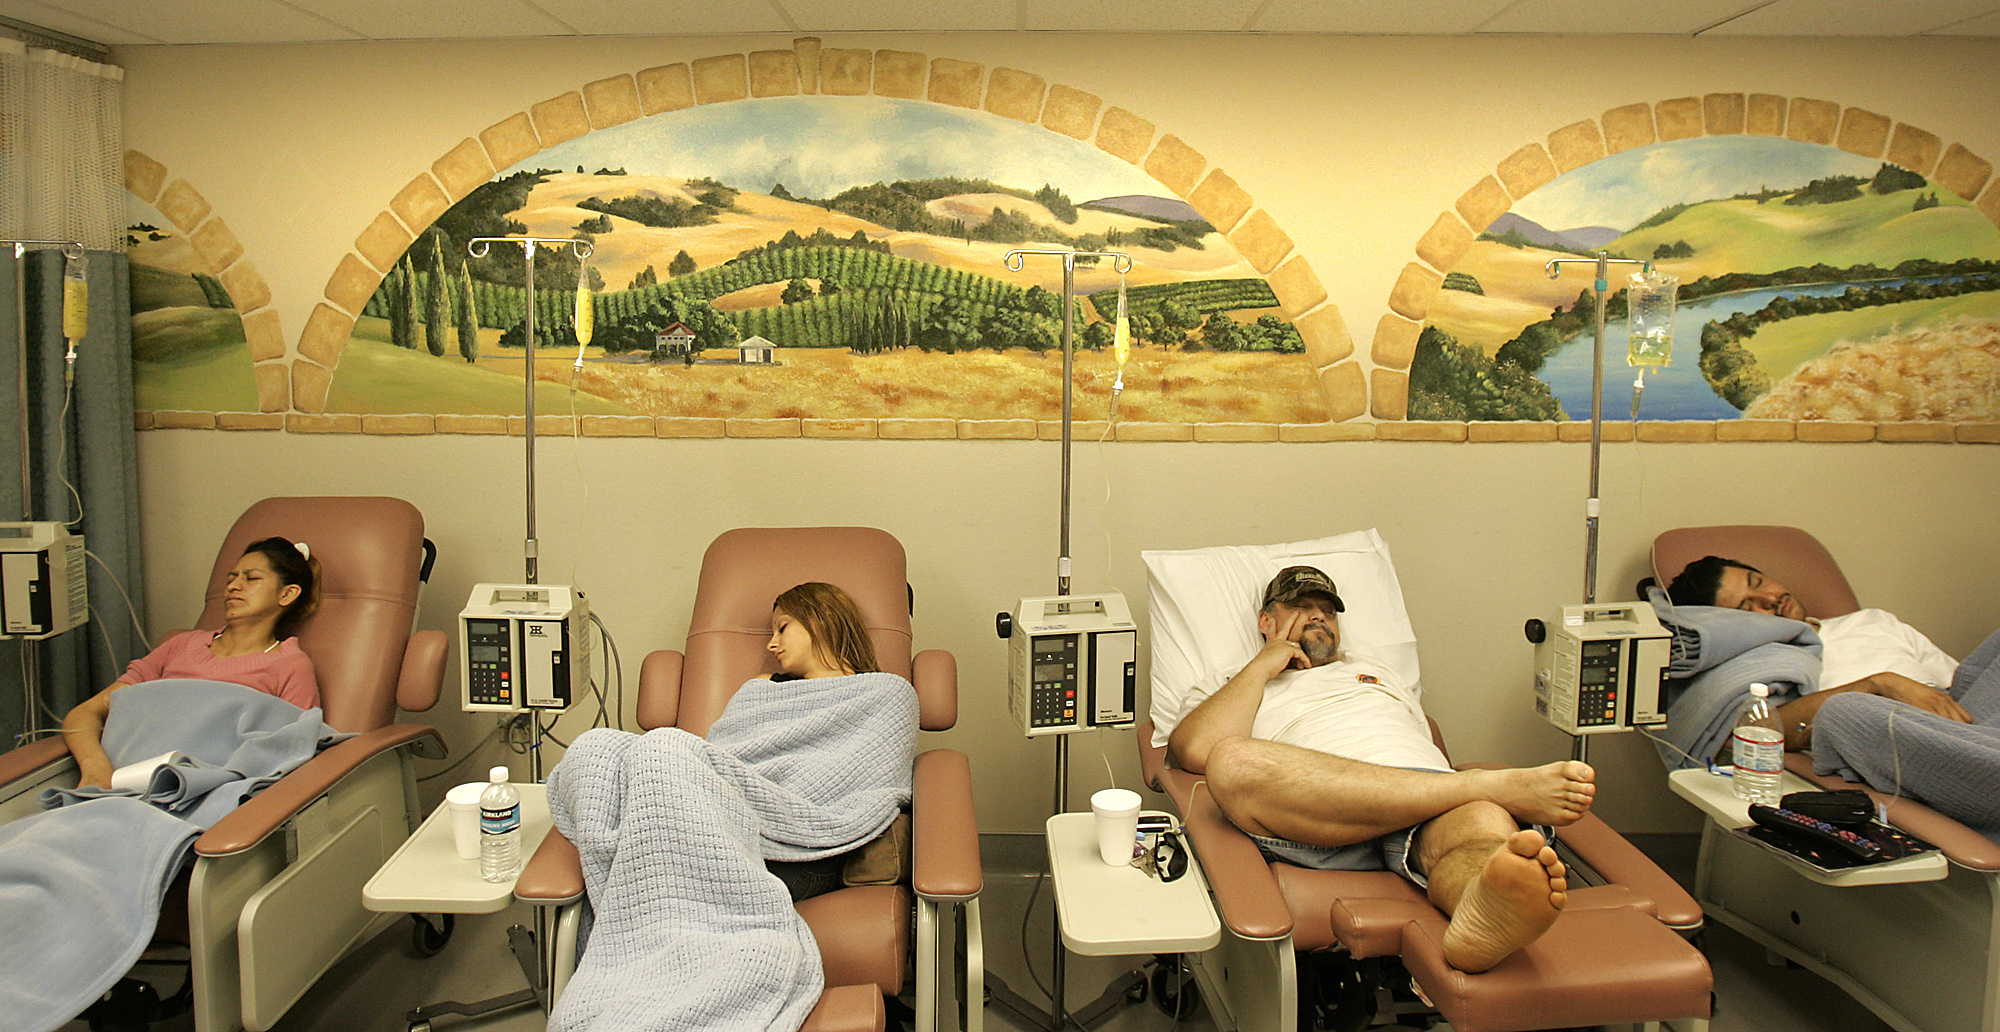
(1326, 759)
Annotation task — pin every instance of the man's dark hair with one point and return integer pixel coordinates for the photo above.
(1697, 585)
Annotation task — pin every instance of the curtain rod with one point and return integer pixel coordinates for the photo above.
(50, 39)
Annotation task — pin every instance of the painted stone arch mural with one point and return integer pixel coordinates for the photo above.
(1834, 267)
(207, 347)
(829, 253)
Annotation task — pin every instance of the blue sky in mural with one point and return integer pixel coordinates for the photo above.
(819, 146)
(1624, 189)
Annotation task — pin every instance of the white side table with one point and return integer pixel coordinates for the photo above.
(1715, 796)
(1107, 911)
(427, 876)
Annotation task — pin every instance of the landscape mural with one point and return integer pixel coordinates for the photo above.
(1814, 284)
(826, 257)
(188, 347)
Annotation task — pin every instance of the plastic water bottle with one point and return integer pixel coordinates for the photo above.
(499, 828)
(1758, 748)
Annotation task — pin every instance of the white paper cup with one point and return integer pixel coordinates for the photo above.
(464, 803)
(1117, 811)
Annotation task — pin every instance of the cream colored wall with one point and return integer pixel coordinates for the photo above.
(1354, 145)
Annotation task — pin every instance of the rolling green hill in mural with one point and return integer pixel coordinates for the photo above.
(1740, 235)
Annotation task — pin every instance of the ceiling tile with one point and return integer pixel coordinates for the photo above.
(1372, 17)
(1847, 18)
(664, 17)
(234, 21)
(1596, 17)
(1983, 25)
(1140, 15)
(910, 15)
(70, 24)
(437, 19)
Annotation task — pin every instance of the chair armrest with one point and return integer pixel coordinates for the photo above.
(659, 690)
(944, 835)
(554, 875)
(267, 811)
(422, 677)
(1620, 862)
(934, 673)
(19, 763)
(1246, 893)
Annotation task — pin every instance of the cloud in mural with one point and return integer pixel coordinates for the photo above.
(1627, 187)
(819, 146)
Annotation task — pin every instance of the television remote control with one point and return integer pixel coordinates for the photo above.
(1794, 823)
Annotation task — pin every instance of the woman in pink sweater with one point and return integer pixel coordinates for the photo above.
(269, 591)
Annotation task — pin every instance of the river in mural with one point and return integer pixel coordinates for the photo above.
(1813, 284)
(830, 257)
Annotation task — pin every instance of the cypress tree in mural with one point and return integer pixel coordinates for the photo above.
(467, 313)
(402, 305)
(437, 301)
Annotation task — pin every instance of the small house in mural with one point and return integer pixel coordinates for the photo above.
(673, 342)
(757, 351)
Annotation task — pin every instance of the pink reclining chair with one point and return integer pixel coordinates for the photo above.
(274, 895)
(864, 932)
(1616, 955)
(1922, 955)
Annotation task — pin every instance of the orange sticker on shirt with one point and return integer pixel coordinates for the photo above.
(1366, 679)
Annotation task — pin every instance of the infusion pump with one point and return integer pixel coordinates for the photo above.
(1602, 667)
(42, 580)
(523, 646)
(1072, 662)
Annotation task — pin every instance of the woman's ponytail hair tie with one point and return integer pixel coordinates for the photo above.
(305, 551)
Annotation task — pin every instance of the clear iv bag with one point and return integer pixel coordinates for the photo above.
(586, 312)
(76, 297)
(1649, 300)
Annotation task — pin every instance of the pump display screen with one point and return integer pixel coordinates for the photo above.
(1048, 672)
(485, 653)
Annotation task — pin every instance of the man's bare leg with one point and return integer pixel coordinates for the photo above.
(1501, 886)
(1283, 791)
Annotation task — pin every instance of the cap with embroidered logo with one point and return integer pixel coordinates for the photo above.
(1293, 581)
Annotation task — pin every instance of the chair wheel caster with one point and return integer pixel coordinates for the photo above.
(1174, 991)
(420, 1026)
(427, 939)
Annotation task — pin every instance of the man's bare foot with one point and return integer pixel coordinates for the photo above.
(1509, 904)
(1555, 794)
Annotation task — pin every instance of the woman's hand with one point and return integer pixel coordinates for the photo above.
(83, 730)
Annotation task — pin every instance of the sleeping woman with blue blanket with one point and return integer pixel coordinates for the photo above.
(270, 590)
(688, 843)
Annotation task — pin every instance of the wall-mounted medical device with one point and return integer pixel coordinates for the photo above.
(1072, 662)
(523, 646)
(43, 582)
(1601, 667)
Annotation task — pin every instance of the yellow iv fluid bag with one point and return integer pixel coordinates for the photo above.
(586, 313)
(1649, 300)
(76, 298)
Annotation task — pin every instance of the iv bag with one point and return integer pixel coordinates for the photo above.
(1650, 309)
(76, 297)
(586, 314)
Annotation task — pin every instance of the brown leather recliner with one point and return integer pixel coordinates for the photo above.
(1922, 955)
(865, 932)
(274, 893)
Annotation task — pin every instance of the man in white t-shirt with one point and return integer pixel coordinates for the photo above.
(1326, 759)
(1868, 650)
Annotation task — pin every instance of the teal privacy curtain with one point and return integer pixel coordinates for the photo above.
(77, 436)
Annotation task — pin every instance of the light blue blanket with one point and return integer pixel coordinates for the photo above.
(1717, 655)
(691, 930)
(81, 884)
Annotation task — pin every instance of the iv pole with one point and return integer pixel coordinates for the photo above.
(1120, 262)
(478, 247)
(1579, 747)
(31, 657)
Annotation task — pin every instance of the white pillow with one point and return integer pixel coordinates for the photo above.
(1204, 612)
